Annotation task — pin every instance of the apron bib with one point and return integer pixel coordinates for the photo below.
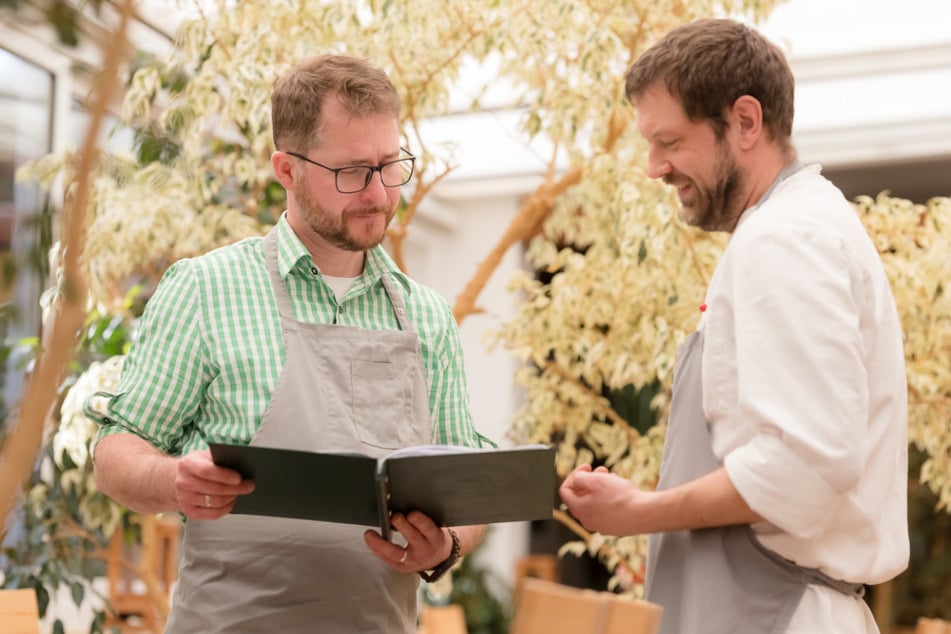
(341, 389)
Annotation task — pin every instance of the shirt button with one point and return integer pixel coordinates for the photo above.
(313, 270)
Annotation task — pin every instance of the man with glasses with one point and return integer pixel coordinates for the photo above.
(308, 338)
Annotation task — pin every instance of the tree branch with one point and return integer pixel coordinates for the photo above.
(536, 207)
(68, 313)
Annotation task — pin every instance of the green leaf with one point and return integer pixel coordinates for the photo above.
(42, 598)
(78, 591)
(64, 19)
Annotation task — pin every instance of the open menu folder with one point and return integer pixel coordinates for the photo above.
(454, 486)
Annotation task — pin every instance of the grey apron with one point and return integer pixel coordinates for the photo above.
(717, 580)
(341, 389)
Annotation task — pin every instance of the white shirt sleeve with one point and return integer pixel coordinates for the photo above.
(800, 380)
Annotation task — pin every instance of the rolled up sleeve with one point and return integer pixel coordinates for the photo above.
(164, 374)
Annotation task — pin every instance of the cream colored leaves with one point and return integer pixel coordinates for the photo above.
(914, 242)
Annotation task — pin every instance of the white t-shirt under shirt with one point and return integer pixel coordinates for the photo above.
(804, 388)
(339, 285)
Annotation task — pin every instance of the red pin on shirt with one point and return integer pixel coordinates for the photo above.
(703, 308)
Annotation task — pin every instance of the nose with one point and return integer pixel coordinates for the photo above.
(657, 164)
(374, 192)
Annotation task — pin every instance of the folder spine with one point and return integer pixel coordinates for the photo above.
(383, 500)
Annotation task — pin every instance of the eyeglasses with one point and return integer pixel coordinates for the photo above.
(356, 178)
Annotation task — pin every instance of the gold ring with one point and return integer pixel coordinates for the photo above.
(207, 501)
(403, 558)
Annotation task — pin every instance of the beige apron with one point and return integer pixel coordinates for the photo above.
(341, 389)
(716, 580)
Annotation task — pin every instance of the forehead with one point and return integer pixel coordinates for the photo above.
(358, 137)
(658, 113)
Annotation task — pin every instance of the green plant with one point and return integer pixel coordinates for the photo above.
(483, 596)
(59, 535)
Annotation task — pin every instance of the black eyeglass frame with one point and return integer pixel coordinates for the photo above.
(373, 169)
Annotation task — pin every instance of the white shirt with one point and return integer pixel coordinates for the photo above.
(804, 388)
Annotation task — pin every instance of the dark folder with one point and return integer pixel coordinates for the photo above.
(454, 486)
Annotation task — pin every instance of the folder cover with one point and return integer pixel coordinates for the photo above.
(453, 485)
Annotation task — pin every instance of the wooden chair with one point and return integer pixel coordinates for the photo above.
(544, 607)
(933, 626)
(19, 612)
(442, 619)
(539, 566)
(154, 563)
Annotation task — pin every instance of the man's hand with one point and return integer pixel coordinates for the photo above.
(601, 501)
(427, 545)
(204, 490)
(611, 505)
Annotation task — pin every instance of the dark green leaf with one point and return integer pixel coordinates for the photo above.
(42, 598)
(64, 19)
(78, 592)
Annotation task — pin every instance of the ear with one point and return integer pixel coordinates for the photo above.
(746, 118)
(283, 169)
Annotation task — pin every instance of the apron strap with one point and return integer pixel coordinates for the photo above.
(812, 575)
(270, 263)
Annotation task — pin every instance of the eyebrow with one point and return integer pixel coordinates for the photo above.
(389, 156)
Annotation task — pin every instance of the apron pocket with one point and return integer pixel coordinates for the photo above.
(379, 400)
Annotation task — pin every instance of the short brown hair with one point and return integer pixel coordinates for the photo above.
(299, 95)
(708, 64)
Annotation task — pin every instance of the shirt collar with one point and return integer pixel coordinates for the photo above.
(290, 252)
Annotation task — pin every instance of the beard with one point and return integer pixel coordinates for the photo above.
(716, 207)
(353, 230)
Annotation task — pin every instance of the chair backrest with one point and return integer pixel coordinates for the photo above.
(442, 619)
(19, 612)
(933, 626)
(545, 607)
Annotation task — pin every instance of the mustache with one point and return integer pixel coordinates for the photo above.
(676, 180)
(367, 211)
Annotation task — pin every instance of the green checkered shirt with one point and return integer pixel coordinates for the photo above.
(209, 350)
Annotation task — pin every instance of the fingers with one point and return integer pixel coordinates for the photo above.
(578, 487)
(204, 490)
(427, 545)
(577, 472)
(393, 555)
(199, 465)
(578, 481)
